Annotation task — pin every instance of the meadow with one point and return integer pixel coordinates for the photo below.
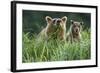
(37, 50)
(34, 49)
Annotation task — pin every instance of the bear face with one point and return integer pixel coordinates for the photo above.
(56, 27)
(76, 27)
(56, 22)
(74, 33)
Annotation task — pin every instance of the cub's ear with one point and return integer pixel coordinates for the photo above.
(81, 23)
(48, 19)
(72, 21)
(64, 19)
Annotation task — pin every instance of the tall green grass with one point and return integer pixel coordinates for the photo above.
(37, 50)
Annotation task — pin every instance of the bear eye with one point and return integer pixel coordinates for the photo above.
(54, 21)
(74, 25)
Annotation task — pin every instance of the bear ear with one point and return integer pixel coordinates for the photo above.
(72, 21)
(81, 23)
(48, 18)
(64, 19)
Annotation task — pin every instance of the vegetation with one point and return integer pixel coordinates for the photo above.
(37, 50)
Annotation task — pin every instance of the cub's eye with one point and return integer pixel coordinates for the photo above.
(74, 25)
(54, 21)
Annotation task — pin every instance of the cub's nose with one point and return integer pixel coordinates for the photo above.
(58, 22)
(77, 30)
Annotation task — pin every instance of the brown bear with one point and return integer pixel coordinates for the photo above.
(74, 33)
(55, 29)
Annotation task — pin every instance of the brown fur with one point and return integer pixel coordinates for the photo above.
(56, 28)
(74, 34)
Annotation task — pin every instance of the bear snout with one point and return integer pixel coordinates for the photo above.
(76, 30)
(58, 22)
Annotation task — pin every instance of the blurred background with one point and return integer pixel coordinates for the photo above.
(34, 21)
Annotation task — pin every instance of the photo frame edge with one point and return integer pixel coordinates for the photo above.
(13, 36)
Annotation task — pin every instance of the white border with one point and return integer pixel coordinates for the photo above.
(21, 65)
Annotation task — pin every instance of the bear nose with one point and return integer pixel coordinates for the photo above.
(76, 30)
(58, 21)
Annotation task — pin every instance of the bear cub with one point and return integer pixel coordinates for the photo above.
(55, 29)
(74, 33)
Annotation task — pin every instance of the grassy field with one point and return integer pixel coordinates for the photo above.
(36, 50)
